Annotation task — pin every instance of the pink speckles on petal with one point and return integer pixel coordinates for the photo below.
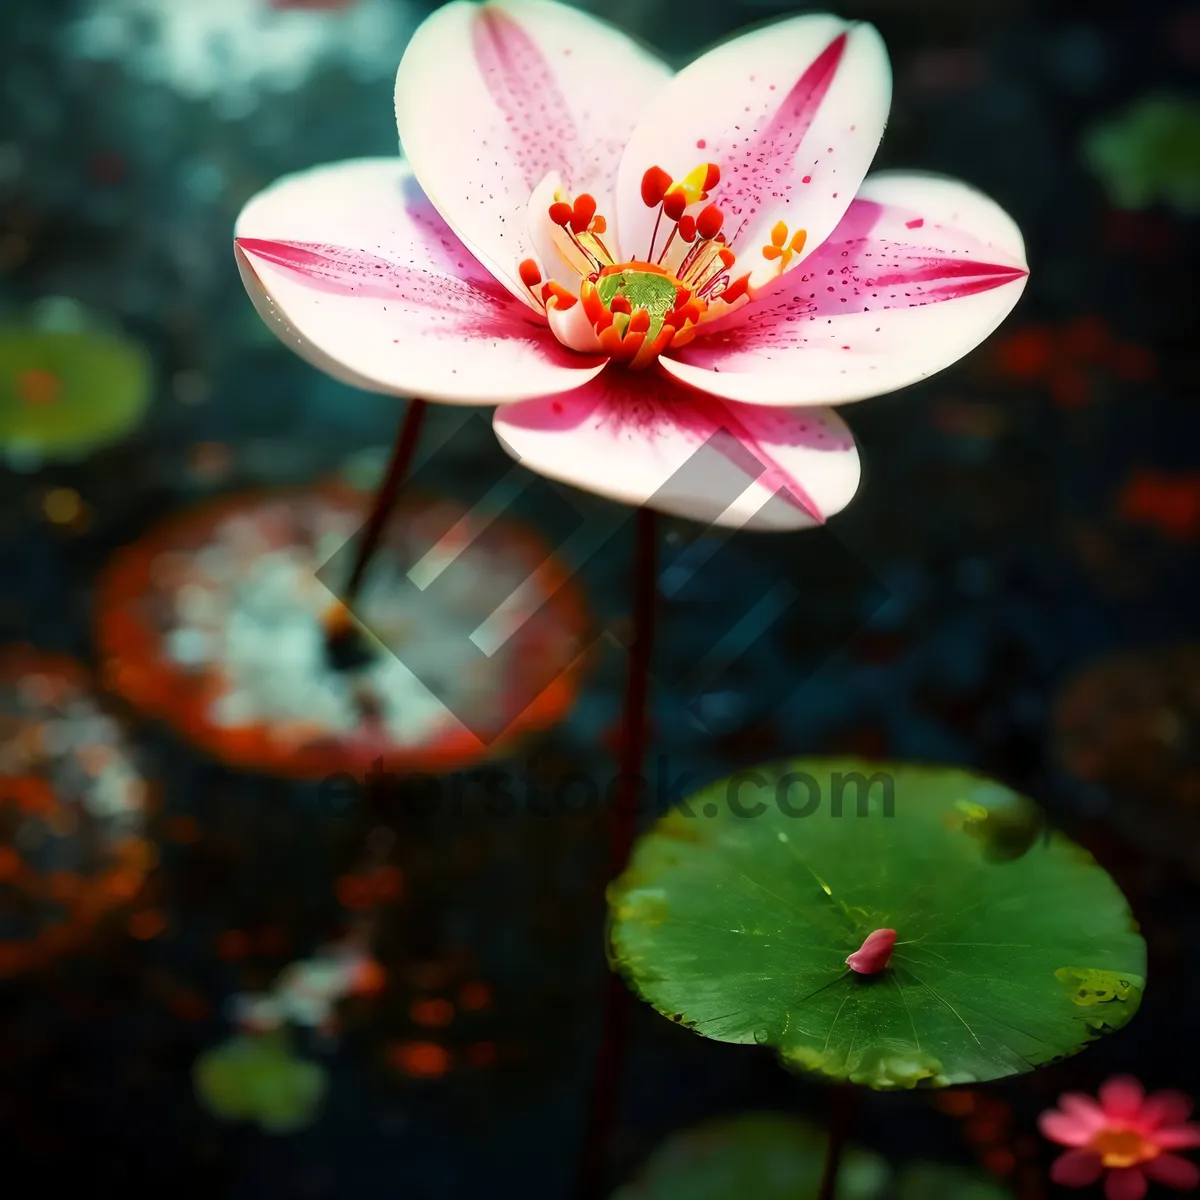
(643, 439)
(906, 301)
(541, 134)
(773, 135)
(492, 98)
(915, 223)
(342, 271)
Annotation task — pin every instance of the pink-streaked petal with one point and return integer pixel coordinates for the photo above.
(1168, 1107)
(918, 273)
(1174, 1172)
(1126, 1183)
(792, 113)
(1122, 1097)
(640, 438)
(351, 266)
(1065, 1129)
(1076, 1168)
(490, 99)
(1176, 1137)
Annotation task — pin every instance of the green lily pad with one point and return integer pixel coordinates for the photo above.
(1150, 154)
(257, 1077)
(739, 908)
(64, 393)
(938, 1181)
(767, 1156)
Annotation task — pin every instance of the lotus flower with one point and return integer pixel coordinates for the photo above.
(632, 265)
(1127, 1135)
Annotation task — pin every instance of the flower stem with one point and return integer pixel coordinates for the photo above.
(617, 1001)
(386, 497)
(845, 1103)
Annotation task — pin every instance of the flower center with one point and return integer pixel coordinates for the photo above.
(1122, 1147)
(634, 310)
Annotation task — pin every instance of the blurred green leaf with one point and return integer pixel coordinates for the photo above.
(756, 1156)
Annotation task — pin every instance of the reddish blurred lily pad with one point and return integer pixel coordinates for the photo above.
(1014, 948)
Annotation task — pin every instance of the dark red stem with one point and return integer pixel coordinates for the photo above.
(845, 1103)
(386, 497)
(634, 733)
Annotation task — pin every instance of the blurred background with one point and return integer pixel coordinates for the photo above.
(219, 976)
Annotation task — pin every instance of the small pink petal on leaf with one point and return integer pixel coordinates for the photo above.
(873, 955)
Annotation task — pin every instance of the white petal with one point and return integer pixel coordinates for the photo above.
(640, 438)
(919, 272)
(792, 113)
(490, 99)
(351, 266)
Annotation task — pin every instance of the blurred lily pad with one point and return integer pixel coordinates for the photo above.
(258, 1078)
(767, 1156)
(65, 393)
(739, 908)
(938, 1181)
(1150, 154)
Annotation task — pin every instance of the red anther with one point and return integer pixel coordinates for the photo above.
(640, 322)
(620, 304)
(712, 177)
(561, 212)
(727, 256)
(708, 223)
(673, 205)
(583, 212)
(530, 275)
(687, 227)
(654, 186)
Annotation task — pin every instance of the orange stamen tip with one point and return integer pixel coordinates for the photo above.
(561, 212)
(778, 233)
(530, 275)
(583, 212)
(772, 252)
(727, 257)
(620, 304)
(639, 322)
(708, 223)
(563, 299)
(801, 236)
(599, 225)
(654, 186)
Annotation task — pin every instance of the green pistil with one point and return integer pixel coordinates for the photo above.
(643, 289)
